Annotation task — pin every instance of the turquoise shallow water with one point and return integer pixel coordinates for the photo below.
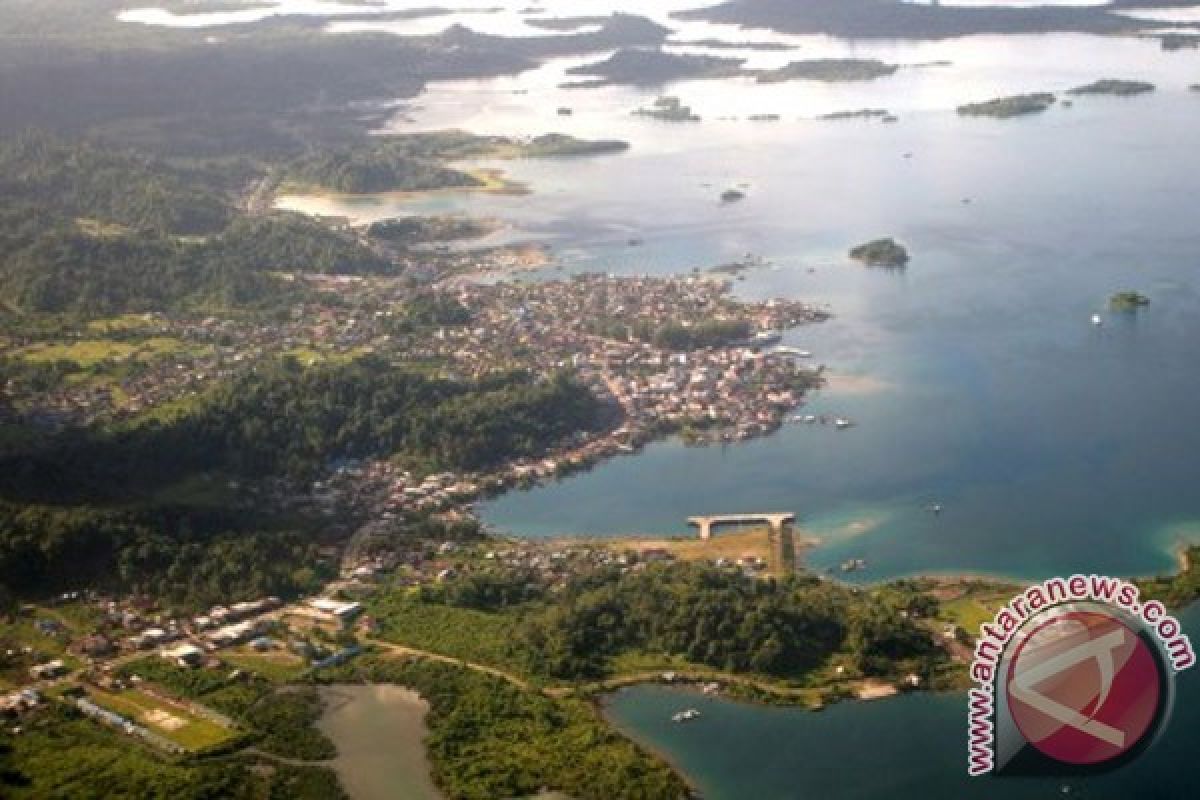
(912, 746)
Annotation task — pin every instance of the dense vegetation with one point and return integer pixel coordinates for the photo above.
(881, 253)
(489, 739)
(707, 333)
(383, 167)
(653, 67)
(1113, 86)
(289, 420)
(1128, 301)
(86, 180)
(409, 231)
(854, 19)
(1006, 107)
(86, 229)
(293, 420)
(62, 754)
(829, 70)
(719, 618)
(550, 145)
(1179, 589)
(415, 162)
(186, 559)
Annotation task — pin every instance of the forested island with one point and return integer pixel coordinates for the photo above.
(829, 70)
(864, 113)
(668, 109)
(1119, 88)
(881, 253)
(1128, 301)
(1008, 107)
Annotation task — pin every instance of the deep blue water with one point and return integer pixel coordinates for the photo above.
(1053, 445)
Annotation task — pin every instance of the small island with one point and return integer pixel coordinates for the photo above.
(1006, 107)
(1179, 41)
(722, 44)
(668, 109)
(862, 113)
(732, 195)
(1115, 87)
(1128, 301)
(552, 145)
(830, 70)
(881, 253)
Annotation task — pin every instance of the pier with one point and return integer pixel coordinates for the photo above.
(776, 521)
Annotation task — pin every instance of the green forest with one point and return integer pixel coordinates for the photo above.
(96, 230)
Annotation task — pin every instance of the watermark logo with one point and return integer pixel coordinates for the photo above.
(1074, 675)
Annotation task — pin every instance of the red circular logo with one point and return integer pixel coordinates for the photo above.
(1083, 688)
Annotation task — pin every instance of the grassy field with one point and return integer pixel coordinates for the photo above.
(91, 353)
(121, 323)
(276, 666)
(173, 722)
(86, 353)
(974, 608)
(747, 543)
(464, 633)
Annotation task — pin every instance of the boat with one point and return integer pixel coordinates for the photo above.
(809, 419)
(1097, 320)
(763, 338)
(686, 715)
(842, 423)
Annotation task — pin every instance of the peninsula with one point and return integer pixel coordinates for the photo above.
(654, 67)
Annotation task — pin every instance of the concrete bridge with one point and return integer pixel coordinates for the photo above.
(775, 522)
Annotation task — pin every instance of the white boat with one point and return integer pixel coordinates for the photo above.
(1097, 320)
(685, 716)
(842, 423)
(809, 419)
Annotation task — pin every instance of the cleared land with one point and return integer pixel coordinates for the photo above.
(174, 722)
